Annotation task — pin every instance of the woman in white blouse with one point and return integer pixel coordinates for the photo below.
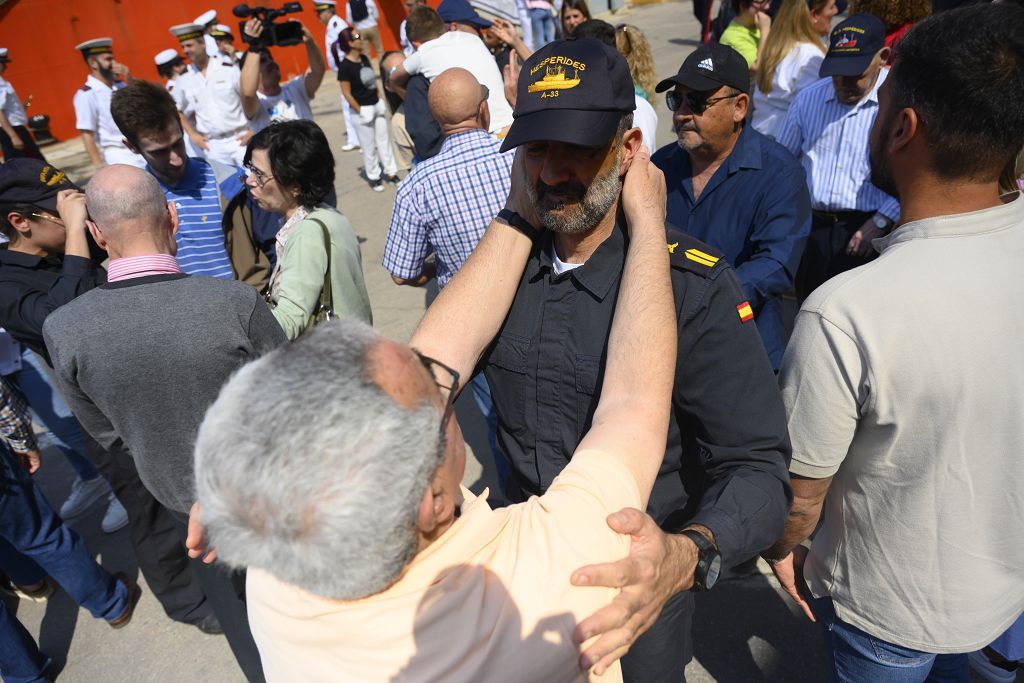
(790, 59)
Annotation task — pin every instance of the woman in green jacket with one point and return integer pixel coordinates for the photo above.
(290, 170)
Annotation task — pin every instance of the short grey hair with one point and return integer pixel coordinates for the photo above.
(122, 194)
(307, 469)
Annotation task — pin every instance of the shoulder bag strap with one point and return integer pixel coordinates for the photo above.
(326, 300)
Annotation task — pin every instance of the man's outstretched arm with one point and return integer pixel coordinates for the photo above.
(468, 313)
(631, 419)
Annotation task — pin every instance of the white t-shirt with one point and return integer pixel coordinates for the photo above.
(460, 49)
(291, 104)
(11, 104)
(646, 119)
(902, 381)
(559, 265)
(796, 71)
(215, 98)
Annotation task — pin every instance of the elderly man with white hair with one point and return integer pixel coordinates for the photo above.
(140, 358)
(340, 490)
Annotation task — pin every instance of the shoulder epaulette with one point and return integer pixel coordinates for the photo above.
(85, 88)
(689, 253)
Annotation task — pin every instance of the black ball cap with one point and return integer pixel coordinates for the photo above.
(708, 68)
(572, 91)
(30, 181)
(852, 45)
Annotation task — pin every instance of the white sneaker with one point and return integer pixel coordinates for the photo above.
(115, 518)
(377, 185)
(989, 671)
(348, 147)
(83, 495)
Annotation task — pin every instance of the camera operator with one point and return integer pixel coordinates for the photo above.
(264, 98)
(209, 91)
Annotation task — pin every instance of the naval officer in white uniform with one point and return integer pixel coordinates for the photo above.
(209, 92)
(100, 135)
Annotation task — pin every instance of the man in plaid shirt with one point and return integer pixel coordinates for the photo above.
(446, 202)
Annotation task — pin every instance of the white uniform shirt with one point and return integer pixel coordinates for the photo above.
(369, 22)
(460, 49)
(11, 104)
(214, 98)
(92, 112)
(335, 25)
(291, 104)
(212, 49)
(902, 382)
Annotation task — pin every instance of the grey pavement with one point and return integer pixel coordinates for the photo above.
(745, 630)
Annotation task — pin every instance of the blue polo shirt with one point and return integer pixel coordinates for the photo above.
(200, 235)
(755, 209)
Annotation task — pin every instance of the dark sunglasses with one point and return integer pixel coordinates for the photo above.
(696, 102)
(446, 378)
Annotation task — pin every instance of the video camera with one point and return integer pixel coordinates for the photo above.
(284, 34)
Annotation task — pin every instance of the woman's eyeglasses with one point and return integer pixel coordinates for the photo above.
(261, 178)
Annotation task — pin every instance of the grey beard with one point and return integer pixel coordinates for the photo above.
(596, 204)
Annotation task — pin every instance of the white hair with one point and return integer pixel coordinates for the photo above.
(307, 469)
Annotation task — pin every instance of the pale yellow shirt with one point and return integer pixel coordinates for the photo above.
(489, 601)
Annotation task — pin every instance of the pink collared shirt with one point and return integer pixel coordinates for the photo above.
(141, 266)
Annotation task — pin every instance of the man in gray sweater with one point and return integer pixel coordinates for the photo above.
(140, 358)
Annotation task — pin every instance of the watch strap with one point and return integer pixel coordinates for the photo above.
(704, 549)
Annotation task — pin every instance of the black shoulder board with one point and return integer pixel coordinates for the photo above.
(85, 88)
(689, 253)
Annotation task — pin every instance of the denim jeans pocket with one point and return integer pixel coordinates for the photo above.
(891, 653)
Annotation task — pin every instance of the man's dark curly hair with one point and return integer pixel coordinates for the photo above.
(962, 71)
(299, 158)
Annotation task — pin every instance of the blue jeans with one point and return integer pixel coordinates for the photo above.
(35, 383)
(30, 528)
(482, 395)
(857, 656)
(543, 24)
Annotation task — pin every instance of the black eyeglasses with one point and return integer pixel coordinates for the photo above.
(446, 378)
(696, 102)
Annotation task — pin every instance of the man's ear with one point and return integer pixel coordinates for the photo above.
(741, 107)
(20, 223)
(631, 141)
(130, 146)
(884, 53)
(172, 214)
(96, 235)
(905, 127)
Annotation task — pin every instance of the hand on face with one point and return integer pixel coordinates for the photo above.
(643, 193)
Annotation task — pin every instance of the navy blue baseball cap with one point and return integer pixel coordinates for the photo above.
(574, 91)
(31, 181)
(461, 12)
(708, 68)
(852, 45)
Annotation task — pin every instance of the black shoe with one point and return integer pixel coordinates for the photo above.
(393, 179)
(209, 625)
(134, 593)
(377, 185)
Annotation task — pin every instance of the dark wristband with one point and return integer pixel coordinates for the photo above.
(518, 222)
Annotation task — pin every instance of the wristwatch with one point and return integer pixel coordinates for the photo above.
(709, 562)
(881, 222)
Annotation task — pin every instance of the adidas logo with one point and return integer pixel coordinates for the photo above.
(706, 63)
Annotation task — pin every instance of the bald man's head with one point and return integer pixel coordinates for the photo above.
(126, 203)
(458, 101)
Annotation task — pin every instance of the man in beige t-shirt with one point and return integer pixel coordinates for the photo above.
(367, 559)
(903, 379)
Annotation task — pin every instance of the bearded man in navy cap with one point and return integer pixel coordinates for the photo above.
(732, 187)
(722, 488)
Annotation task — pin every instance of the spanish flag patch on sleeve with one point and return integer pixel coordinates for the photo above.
(745, 311)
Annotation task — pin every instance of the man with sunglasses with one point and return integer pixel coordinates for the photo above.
(732, 187)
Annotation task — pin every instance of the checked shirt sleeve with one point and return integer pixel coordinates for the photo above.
(15, 420)
(407, 246)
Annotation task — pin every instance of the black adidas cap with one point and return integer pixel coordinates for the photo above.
(572, 91)
(31, 181)
(709, 67)
(852, 45)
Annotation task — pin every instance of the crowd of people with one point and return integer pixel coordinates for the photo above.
(194, 331)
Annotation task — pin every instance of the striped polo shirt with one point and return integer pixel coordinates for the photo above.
(200, 236)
